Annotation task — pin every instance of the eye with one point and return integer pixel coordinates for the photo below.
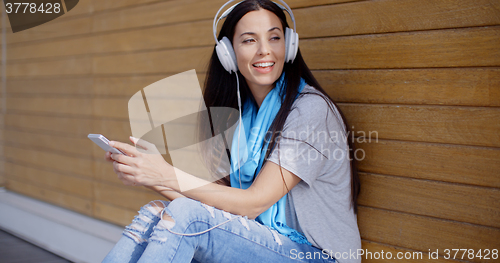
(276, 38)
(248, 40)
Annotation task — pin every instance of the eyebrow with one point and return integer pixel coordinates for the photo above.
(252, 33)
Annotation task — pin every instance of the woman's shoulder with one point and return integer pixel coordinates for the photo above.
(312, 101)
(313, 107)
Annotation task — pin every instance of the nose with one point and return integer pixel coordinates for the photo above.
(264, 48)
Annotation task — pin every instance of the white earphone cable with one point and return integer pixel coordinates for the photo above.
(239, 125)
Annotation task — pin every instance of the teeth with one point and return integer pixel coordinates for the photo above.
(263, 65)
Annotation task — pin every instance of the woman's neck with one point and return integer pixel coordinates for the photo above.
(259, 93)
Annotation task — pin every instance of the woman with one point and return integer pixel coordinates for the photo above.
(302, 204)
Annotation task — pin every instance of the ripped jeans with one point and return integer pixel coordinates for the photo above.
(161, 233)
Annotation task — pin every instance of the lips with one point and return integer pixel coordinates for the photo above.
(264, 66)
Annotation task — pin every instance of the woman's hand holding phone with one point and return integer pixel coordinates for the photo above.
(142, 168)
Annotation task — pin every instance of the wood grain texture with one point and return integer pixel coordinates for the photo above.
(471, 204)
(77, 86)
(423, 233)
(445, 86)
(126, 86)
(57, 125)
(67, 66)
(77, 204)
(95, 17)
(59, 182)
(374, 17)
(395, 252)
(48, 105)
(58, 162)
(51, 142)
(183, 35)
(455, 125)
(437, 48)
(154, 62)
(323, 21)
(114, 214)
(438, 162)
(53, 29)
(123, 196)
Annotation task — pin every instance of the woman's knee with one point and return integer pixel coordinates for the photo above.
(143, 223)
(151, 211)
(186, 209)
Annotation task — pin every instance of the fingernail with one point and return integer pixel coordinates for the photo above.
(111, 143)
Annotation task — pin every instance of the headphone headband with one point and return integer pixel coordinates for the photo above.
(226, 13)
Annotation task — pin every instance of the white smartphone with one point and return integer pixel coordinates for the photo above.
(103, 142)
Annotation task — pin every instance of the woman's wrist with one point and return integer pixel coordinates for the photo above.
(169, 178)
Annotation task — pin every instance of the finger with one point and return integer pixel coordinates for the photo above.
(124, 147)
(108, 157)
(124, 159)
(127, 179)
(147, 146)
(123, 168)
(135, 142)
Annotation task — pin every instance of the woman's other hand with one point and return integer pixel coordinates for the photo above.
(142, 168)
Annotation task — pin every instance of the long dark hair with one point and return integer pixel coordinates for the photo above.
(220, 89)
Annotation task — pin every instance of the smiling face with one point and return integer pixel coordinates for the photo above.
(259, 44)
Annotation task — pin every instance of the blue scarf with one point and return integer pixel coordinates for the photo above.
(256, 123)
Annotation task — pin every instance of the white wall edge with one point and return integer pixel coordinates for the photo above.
(71, 235)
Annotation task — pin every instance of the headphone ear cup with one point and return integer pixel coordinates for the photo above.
(226, 55)
(291, 45)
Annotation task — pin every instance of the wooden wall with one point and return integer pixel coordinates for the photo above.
(423, 74)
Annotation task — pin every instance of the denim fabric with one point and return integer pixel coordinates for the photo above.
(149, 239)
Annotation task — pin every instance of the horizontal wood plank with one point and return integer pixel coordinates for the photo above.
(438, 162)
(118, 108)
(126, 86)
(114, 214)
(49, 86)
(183, 35)
(122, 86)
(61, 67)
(456, 125)
(398, 254)
(71, 202)
(53, 29)
(101, 6)
(57, 125)
(57, 162)
(44, 105)
(123, 196)
(438, 48)
(445, 86)
(374, 17)
(154, 62)
(58, 182)
(423, 233)
(48, 141)
(471, 204)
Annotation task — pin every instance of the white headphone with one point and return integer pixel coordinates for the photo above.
(224, 48)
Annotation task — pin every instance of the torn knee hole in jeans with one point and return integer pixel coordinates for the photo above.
(156, 207)
(134, 236)
(166, 220)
